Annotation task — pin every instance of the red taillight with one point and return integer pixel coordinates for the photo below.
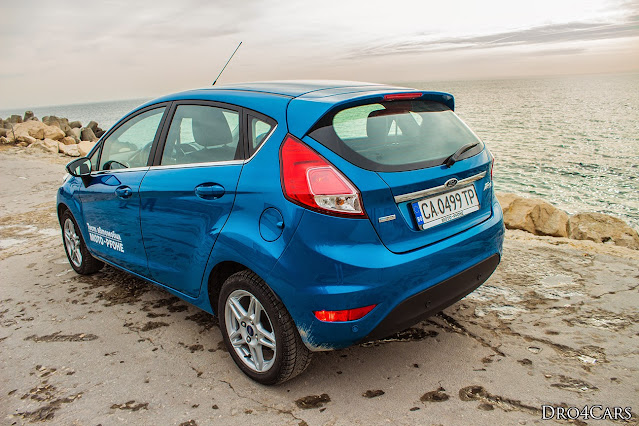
(309, 180)
(402, 96)
(345, 315)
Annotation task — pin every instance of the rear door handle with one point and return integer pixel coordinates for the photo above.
(124, 192)
(209, 191)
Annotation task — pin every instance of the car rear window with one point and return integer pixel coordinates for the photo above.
(395, 135)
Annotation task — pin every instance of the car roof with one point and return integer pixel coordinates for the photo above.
(295, 88)
(299, 102)
(286, 88)
(268, 97)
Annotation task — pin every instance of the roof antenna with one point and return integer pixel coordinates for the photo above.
(227, 62)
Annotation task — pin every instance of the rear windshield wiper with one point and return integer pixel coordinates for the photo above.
(453, 158)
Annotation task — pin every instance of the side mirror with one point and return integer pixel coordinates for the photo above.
(80, 167)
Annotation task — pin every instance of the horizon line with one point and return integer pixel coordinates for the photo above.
(529, 77)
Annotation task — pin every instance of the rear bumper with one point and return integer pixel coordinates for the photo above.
(335, 263)
(432, 300)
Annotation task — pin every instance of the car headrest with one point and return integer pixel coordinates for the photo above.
(378, 124)
(210, 127)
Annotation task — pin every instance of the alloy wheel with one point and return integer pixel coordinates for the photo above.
(72, 243)
(250, 331)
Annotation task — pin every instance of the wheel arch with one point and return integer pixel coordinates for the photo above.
(70, 205)
(221, 272)
(62, 207)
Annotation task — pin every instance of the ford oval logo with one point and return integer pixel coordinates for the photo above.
(451, 182)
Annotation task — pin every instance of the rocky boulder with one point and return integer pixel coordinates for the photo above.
(35, 129)
(4, 141)
(51, 120)
(46, 145)
(535, 216)
(549, 220)
(15, 119)
(51, 144)
(61, 123)
(93, 126)
(3, 132)
(602, 228)
(505, 199)
(24, 140)
(51, 132)
(75, 125)
(88, 135)
(85, 147)
(68, 140)
(70, 150)
(28, 115)
(70, 133)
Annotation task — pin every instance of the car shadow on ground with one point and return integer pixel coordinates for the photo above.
(421, 353)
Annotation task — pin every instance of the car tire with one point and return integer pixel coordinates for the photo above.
(247, 336)
(77, 252)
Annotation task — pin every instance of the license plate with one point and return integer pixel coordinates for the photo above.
(442, 208)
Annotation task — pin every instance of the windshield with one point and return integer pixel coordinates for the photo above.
(396, 135)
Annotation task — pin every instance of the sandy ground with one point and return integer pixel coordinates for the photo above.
(556, 324)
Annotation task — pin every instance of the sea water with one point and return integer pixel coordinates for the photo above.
(573, 141)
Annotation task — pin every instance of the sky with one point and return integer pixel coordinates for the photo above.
(67, 51)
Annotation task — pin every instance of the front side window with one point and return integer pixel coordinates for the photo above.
(95, 158)
(130, 145)
(202, 134)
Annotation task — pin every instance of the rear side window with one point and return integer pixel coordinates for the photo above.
(395, 135)
(202, 134)
(259, 129)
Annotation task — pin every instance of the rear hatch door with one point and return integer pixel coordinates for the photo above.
(426, 210)
(408, 143)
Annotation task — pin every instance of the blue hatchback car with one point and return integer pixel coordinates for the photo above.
(306, 215)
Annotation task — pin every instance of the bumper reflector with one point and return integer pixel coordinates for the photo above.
(345, 315)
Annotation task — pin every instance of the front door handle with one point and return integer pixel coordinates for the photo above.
(124, 192)
(209, 191)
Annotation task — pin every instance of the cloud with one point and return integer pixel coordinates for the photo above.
(158, 33)
(558, 52)
(73, 50)
(4, 74)
(190, 21)
(539, 35)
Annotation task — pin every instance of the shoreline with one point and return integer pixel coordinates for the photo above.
(53, 134)
(56, 135)
(532, 216)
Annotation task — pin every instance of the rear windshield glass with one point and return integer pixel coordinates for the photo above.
(395, 135)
